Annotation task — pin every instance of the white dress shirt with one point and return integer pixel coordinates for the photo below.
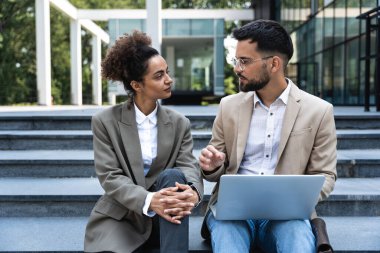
(261, 151)
(147, 128)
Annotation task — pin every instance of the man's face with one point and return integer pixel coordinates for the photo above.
(251, 67)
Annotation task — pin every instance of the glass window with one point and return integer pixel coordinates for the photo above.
(128, 25)
(327, 75)
(353, 3)
(340, 20)
(191, 62)
(201, 27)
(362, 53)
(176, 27)
(372, 93)
(302, 35)
(352, 80)
(352, 22)
(329, 26)
(369, 4)
(319, 71)
(321, 3)
(307, 78)
(305, 9)
(327, 2)
(310, 31)
(319, 31)
(373, 43)
(338, 75)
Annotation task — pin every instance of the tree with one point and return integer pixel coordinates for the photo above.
(17, 52)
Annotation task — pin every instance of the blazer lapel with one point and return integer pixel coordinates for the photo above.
(290, 117)
(130, 137)
(165, 141)
(244, 122)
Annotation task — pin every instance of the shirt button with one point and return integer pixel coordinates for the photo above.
(271, 113)
(267, 156)
(268, 135)
(262, 173)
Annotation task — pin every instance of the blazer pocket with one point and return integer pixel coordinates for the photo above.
(111, 208)
(300, 131)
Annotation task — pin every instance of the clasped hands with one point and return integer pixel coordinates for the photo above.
(174, 203)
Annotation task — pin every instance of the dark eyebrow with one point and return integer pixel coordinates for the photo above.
(244, 58)
(161, 71)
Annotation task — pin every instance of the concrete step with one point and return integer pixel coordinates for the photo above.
(64, 197)
(201, 117)
(82, 139)
(45, 139)
(358, 163)
(80, 163)
(358, 139)
(76, 122)
(66, 234)
(47, 163)
(359, 121)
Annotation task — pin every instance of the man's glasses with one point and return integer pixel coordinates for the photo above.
(242, 63)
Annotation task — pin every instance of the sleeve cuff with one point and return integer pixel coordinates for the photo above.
(197, 191)
(148, 199)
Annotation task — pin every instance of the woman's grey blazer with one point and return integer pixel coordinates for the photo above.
(117, 223)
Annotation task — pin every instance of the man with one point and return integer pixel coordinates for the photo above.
(270, 127)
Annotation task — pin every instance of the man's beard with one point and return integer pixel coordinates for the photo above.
(254, 85)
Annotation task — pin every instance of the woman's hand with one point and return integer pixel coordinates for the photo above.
(174, 203)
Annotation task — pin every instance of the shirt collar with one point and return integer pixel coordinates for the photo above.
(283, 97)
(141, 117)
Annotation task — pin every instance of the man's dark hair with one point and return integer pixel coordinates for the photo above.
(270, 36)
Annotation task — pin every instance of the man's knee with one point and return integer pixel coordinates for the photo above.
(291, 235)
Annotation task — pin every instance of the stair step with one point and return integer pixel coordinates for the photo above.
(47, 163)
(66, 234)
(358, 163)
(80, 163)
(45, 139)
(201, 117)
(82, 139)
(77, 196)
(358, 139)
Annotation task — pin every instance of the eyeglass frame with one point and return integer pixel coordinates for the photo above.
(243, 65)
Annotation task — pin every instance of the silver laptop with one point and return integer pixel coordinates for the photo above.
(272, 197)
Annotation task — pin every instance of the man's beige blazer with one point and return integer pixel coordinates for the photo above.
(307, 142)
(117, 223)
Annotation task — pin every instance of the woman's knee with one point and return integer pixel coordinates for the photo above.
(169, 177)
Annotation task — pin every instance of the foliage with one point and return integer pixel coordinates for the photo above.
(17, 52)
(206, 4)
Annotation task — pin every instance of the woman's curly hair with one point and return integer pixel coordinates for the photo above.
(127, 59)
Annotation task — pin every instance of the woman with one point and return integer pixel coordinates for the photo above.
(143, 158)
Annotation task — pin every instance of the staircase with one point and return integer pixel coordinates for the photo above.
(48, 185)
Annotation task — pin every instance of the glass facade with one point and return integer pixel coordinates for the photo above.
(193, 49)
(330, 48)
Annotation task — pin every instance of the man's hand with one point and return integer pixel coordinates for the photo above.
(172, 204)
(210, 158)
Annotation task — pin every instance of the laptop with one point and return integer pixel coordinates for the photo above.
(271, 197)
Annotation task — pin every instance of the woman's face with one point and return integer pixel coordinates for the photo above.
(156, 83)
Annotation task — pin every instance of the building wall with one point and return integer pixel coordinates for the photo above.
(329, 48)
(193, 49)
